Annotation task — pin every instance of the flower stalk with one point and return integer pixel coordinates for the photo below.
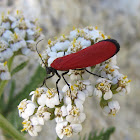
(7, 126)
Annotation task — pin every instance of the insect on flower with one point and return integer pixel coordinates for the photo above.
(90, 56)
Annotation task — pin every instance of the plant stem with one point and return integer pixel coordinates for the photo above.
(2, 85)
(7, 126)
(57, 138)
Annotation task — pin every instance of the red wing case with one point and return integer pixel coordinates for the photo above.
(87, 57)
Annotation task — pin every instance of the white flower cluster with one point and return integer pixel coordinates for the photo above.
(4, 73)
(113, 83)
(68, 107)
(17, 34)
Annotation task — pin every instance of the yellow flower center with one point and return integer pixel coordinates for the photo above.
(78, 30)
(49, 41)
(111, 70)
(64, 36)
(5, 63)
(108, 37)
(96, 27)
(124, 77)
(67, 131)
(74, 28)
(15, 36)
(106, 66)
(72, 88)
(101, 84)
(103, 36)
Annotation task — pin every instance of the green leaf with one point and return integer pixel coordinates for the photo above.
(12, 89)
(103, 135)
(2, 103)
(35, 81)
(19, 67)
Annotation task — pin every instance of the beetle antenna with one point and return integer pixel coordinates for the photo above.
(44, 82)
(40, 54)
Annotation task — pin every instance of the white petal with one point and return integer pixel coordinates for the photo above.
(47, 116)
(65, 88)
(76, 127)
(81, 95)
(97, 93)
(90, 90)
(69, 107)
(67, 100)
(80, 106)
(86, 82)
(42, 100)
(41, 121)
(78, 101)
(106, 110)
(64, 111)
(50, 60)
(52, 54)
(34, 120)
(82, 117)
(60, 54)
(37, 128)
(69, 118)
(108, 95)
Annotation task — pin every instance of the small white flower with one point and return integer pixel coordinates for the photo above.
(85, 86)
(39, 95)
(52, 98)
(97, 93)
(60, 113)
(5, 76)
(112, 108)
(123, 85)
(85, 43)
(18, 45)
(103, 88)
(76, 95)
(32, 129)
(75, 46)
(109, 71)
(50, 60)
(76, 74)
(75, 114)
(64, 129)
(7, 35)
(6, 54)
(20, 32)
(2, 30)
(6, 25)
(73, 34)
(26, 108)
(4, 73)
(40, 116)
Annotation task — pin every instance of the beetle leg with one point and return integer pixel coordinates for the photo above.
(93, 73)
(66, 81)
(44, 81)
(59, 77)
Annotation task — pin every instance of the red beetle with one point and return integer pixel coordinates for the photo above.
(90, 56)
